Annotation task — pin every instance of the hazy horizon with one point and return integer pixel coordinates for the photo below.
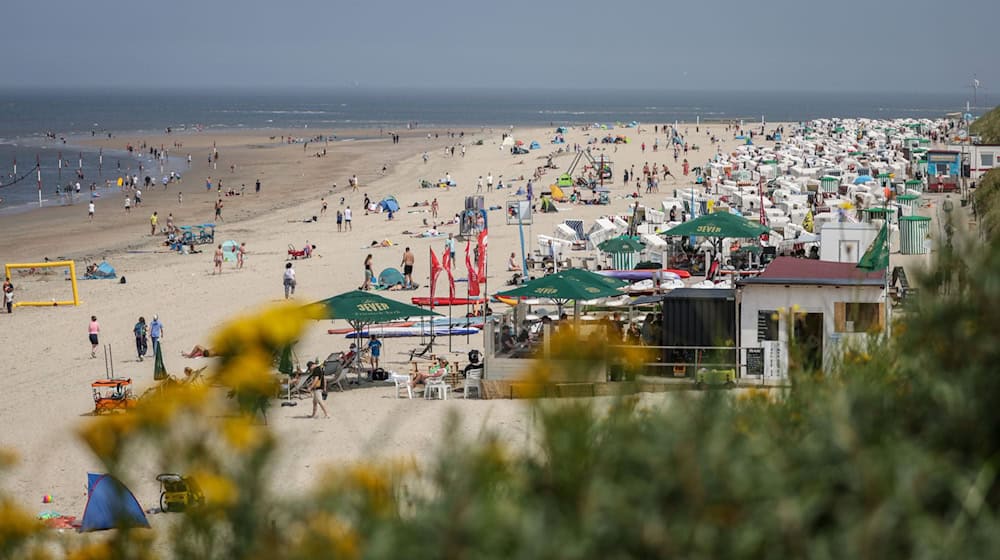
(780, 46)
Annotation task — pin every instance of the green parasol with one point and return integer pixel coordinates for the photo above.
(572, 284)
(718, 225)
(159, 370)
(621, 244)
(360, 309)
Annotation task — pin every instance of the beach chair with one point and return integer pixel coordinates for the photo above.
(436, 386)
(473, 380)
(422, 352)
(334, 369)
(296, 388)
(401, 382)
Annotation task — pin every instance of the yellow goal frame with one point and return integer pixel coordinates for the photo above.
(53, 264)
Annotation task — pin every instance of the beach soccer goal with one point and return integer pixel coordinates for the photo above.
(24, 286)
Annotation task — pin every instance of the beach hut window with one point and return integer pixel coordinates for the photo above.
(858, 317)
(986, 160)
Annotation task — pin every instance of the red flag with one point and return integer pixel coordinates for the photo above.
(435, 270)
(481, 243)
(446, 263)
(473, 276)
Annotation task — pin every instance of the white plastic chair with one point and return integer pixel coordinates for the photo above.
(474, 380)
(436, 386)
(401, 381)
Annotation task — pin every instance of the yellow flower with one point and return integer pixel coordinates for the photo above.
(242, 435)
(219, 491)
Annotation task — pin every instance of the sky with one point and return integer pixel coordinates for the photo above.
(701, 45)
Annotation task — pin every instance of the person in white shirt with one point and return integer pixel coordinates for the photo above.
(90, 210)
(347, 218)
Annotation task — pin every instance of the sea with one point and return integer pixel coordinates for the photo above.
(48, 126)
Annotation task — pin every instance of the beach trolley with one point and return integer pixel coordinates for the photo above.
(112, 395)
(913, 230)
(829, 184)
(177, 493)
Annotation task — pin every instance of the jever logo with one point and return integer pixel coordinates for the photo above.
(373, 306)
(709, 229)
(546, 290)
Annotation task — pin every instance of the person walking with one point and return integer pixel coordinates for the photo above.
(217, 261)
(218, 210)
(140, 337)
(347, 219)
(449, 246)
(155, 332)
(289, 280)
(90, 210)
(407, 265)
(369, 273)
(317, 384)
(93, 330)
(152, 223)
(241, 255)
(128, 205)
(434, 208)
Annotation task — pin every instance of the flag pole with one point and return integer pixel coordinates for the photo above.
(431, 262)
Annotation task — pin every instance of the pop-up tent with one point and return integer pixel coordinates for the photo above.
(229, 250)
(389, 204)
(104, 272)
(110, 505)
(534, 145)
(390, 277)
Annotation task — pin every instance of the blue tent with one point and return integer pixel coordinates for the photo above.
(110, 505)
(389, 204)
(390, 277)
(561, 130)
(534, 145)
(104, 272)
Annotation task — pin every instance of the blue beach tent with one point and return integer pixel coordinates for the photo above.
(389, 204)
(534, 145)
(104, 272)
(390, 277)
(110, 505)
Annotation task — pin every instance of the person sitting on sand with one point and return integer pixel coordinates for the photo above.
(512, 265)
(437, 370)
(198, 352)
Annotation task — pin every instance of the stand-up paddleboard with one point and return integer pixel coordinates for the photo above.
(645, 274)
(446, 301)
(400, 332)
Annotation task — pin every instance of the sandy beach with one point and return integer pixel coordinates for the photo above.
(49, 367)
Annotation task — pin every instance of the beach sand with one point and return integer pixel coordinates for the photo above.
(48, 365)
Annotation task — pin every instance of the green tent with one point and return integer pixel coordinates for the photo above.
(718, 225)
(621, 244)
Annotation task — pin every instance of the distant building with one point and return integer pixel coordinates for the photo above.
(979, 158)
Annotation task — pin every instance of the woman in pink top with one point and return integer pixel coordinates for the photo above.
(94, 330)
